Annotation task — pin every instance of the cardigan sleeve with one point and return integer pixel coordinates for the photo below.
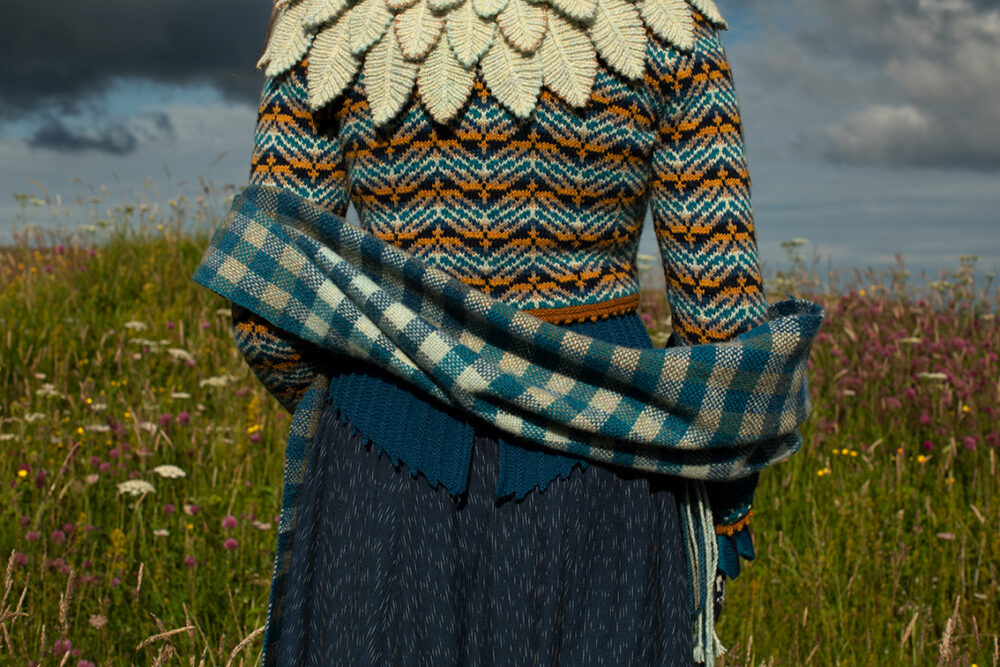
(700, 206)
(297, 149)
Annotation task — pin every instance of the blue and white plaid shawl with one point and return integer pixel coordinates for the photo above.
(704, 412)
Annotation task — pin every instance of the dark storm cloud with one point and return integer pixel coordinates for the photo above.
(923, 77)
(117, 138)
(60, 52)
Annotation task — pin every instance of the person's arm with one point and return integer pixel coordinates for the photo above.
(297, 149)
(700, 205)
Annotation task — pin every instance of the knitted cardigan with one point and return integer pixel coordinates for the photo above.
(676, 141)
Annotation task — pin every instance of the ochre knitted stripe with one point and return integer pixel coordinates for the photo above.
(587, 311)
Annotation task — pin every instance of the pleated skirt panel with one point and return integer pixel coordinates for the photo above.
(387, 570)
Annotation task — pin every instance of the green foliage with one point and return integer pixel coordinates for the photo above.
(877, 542)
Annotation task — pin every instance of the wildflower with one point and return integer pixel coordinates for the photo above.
(927, 445)
(135, 487)
(169, 471)
(966, 408)
(822, 471)
(231, 544)
(22, 472)
(114, 452)
(925, 419)
(229, 522)
(911, 340)
(216, 381)
(34, 416)
(170, 324)
(98, 621)
(85, 663)
(206, 324)
(180, 394)
(98, 428)
(191, 509)
(58, 536)
(180, 354)
(970, 443)
(183, 418)
(165, 419)
(115, 581)
(260, 525)
(104, 467)
(189, 561)
(137, 326)
(169, 509)
(61, 646)
(893, 403)
(6, 436)
(921, 458)
(32, 536)
(20, 559)
(48, 390)
(92, 478)
(161, 532)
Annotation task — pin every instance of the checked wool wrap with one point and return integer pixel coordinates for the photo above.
(717, 411)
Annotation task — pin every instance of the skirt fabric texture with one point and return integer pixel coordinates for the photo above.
(387, 570)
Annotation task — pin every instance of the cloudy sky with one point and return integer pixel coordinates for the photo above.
(872, 127)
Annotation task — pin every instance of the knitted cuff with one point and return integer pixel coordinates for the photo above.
(734, 541)
(731, 504)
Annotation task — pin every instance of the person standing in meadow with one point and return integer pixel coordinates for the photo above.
(489, 462)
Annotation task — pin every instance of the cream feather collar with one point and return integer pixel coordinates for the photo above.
(519, 45)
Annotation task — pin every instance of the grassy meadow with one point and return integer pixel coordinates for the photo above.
(142, 461)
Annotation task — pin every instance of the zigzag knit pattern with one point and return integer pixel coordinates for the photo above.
(546, 214)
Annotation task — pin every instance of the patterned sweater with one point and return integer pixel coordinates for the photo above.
(543, 213)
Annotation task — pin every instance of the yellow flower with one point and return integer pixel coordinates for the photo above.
(921, 458)
(22, 473)
(190, 526)
(861, 292)
(966, 408)
(853, 453)
(79, 430)
(128, 415)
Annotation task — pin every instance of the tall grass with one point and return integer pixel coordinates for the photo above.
(877, 542)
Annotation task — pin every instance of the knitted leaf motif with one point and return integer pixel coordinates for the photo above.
(523, 24)
(568, 63)
(518, 45)
(443, 83)
(417, 29)
(331, 64)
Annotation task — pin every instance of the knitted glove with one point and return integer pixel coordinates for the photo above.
(731, 504)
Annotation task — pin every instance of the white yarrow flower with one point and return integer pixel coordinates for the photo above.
(169, 471)
(161, 532)
(98, 428)
(932, 376)
(216, 381)
(34, 416)
(136, 325)
(180, 353)
(912, 340)
(135, 487)
(180, 394)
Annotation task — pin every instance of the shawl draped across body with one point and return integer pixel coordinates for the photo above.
(717, 411)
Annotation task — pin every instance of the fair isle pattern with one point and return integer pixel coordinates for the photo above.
(545, 214)
(285, 367)
(714, 411)
(442, 45)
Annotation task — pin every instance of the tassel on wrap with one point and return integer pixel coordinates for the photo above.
(704, 412)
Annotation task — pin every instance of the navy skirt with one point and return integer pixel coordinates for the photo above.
(387, 570)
